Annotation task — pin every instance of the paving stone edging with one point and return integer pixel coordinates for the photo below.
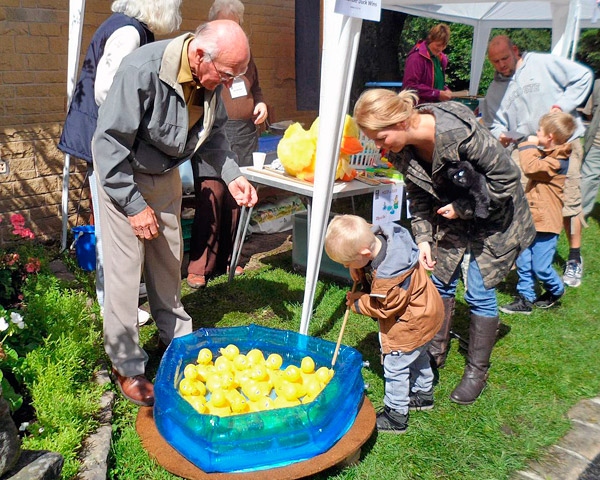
(96, 447)
(575, 452)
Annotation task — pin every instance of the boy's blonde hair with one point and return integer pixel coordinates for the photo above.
(347, 236)
(560, 124)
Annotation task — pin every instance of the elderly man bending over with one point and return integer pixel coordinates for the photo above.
(164, 106)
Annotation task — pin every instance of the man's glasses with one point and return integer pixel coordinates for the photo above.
(223, 76)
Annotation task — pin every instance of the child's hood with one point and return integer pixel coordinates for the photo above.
(402, 253)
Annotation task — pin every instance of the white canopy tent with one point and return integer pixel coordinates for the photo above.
(341, 36)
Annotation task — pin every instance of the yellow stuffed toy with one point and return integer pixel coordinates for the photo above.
(298, 148)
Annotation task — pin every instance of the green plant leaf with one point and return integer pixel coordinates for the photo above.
(13, 398)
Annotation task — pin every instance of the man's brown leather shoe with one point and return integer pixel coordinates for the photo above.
(138, 389)
(196, 281)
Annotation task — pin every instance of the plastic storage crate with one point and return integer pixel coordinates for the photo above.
(300, 251)
(369, 157)
(268, 144)
(186, 232)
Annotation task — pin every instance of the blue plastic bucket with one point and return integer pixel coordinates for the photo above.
(85, 247)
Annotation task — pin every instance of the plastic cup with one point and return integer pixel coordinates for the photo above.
(258, 159)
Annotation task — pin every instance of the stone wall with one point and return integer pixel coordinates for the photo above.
(33, 99)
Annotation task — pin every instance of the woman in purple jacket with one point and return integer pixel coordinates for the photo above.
(425, 67)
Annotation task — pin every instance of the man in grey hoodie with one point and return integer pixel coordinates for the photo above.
(524, 88)
(163, 107)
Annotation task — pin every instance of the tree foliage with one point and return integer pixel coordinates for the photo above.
(373, 62)
(588, 50)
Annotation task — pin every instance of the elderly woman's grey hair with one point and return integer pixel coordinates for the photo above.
(227, 9)
(160, 16)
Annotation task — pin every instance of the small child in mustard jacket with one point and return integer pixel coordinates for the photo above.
(402, 298)
(545, 161)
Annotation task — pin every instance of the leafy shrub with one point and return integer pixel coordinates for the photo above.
(58, 371)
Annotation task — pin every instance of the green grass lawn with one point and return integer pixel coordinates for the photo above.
(542, 365)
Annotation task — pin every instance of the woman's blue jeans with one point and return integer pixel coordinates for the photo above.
(482, 301)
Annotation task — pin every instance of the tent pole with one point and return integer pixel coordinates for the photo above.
(341, 35)
(76, 14)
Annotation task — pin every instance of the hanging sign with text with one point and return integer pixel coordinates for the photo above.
(365, 9)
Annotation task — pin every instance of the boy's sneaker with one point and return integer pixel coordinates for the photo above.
(573, 273)
(520, 305)
(547, 300)
(391, 421)
(420, 400)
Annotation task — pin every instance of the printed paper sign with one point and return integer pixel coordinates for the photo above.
(365, 9)
(387, 203)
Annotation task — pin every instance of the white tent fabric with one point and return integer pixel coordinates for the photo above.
(340, 46)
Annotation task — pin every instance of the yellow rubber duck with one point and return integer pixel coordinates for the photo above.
(198, 403)
(274, 361)
(237, 402)
(307, 365)
(230, 351)
(255, 357)
(324, 375)
(261, 404)
(281, 402)
(204, 356)
(218, 404)
(292, 374)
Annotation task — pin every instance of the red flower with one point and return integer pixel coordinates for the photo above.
(11, 258)
(17, 220)
(23, 232)
(33, 265)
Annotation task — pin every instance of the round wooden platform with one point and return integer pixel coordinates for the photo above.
(346, 450)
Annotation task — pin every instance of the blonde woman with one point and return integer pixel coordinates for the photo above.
(424, 142)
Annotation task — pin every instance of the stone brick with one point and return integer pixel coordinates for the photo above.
(8, 28)
(12, 60)
(587, 411)
(49, 228)
(26, 45)
(37, 186)
(20, 169)
(6, 189)
(583, 439)
(8, 42)
(559, 464)
(40, 62)
(17, 149)
(29, 15)
(43, 212)
(21, 204)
